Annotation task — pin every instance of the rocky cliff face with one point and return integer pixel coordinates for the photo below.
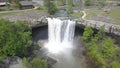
(40, 20)
(32, 18)
(109, 28)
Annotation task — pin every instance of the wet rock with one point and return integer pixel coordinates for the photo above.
(16, 62)
(50, 62)
(44, 54)
(13, 62)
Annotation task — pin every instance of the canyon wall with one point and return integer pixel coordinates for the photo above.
(109, 28)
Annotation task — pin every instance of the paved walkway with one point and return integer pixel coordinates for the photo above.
(84, 15)
(15, 11)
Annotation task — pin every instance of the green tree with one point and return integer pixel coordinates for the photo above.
(38, 63)
(100, 35)
(16, 3)
(51, 7)
(108, 49)
(88, 33)
(25, 63)
(93, 51)
(102, 3)
(88, 2)
(115, 64)
(34, 63)
(70, 9)
(70, 6)
(117, 54)
(101, 49)
(62, 2)
(14, 38)
(46, 3)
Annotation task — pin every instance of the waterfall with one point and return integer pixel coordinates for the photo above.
(60, 34)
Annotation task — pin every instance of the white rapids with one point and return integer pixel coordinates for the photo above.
(60, 34)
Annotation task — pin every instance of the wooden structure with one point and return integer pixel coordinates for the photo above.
(2, 0)
(26, 5)
(2, 3)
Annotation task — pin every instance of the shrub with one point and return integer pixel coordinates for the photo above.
(88, 2)
(52, 8)
(38, 63)
(101, 49)
(88, 32)
(115, 64)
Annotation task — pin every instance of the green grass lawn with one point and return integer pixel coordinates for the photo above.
(114, 13)
(91, 12)
(7, 14)
(77, 14)
(20, 12)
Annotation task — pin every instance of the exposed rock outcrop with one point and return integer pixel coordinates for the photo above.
(109, 28)
(31, 17)
(37, 20)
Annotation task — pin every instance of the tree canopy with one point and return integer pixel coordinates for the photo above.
(38, 63)
(101, 49)
(88, 32)
(51, 7)
(15, 38)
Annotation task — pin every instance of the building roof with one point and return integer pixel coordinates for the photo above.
(41, 2)
(26, 3)
(2, 0)
(2, 3)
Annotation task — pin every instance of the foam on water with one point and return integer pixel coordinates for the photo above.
(60, 35)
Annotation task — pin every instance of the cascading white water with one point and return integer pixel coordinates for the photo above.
(60, 34)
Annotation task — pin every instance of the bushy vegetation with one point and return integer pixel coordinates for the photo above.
(34, 63)
(61, 2)
(70, 9)
(38, 63)
(115, 64)
(87, 35)
(88, 2)
(102, 51)
(70, 6)
(94, 2)
(14, 38)
(51, 7)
